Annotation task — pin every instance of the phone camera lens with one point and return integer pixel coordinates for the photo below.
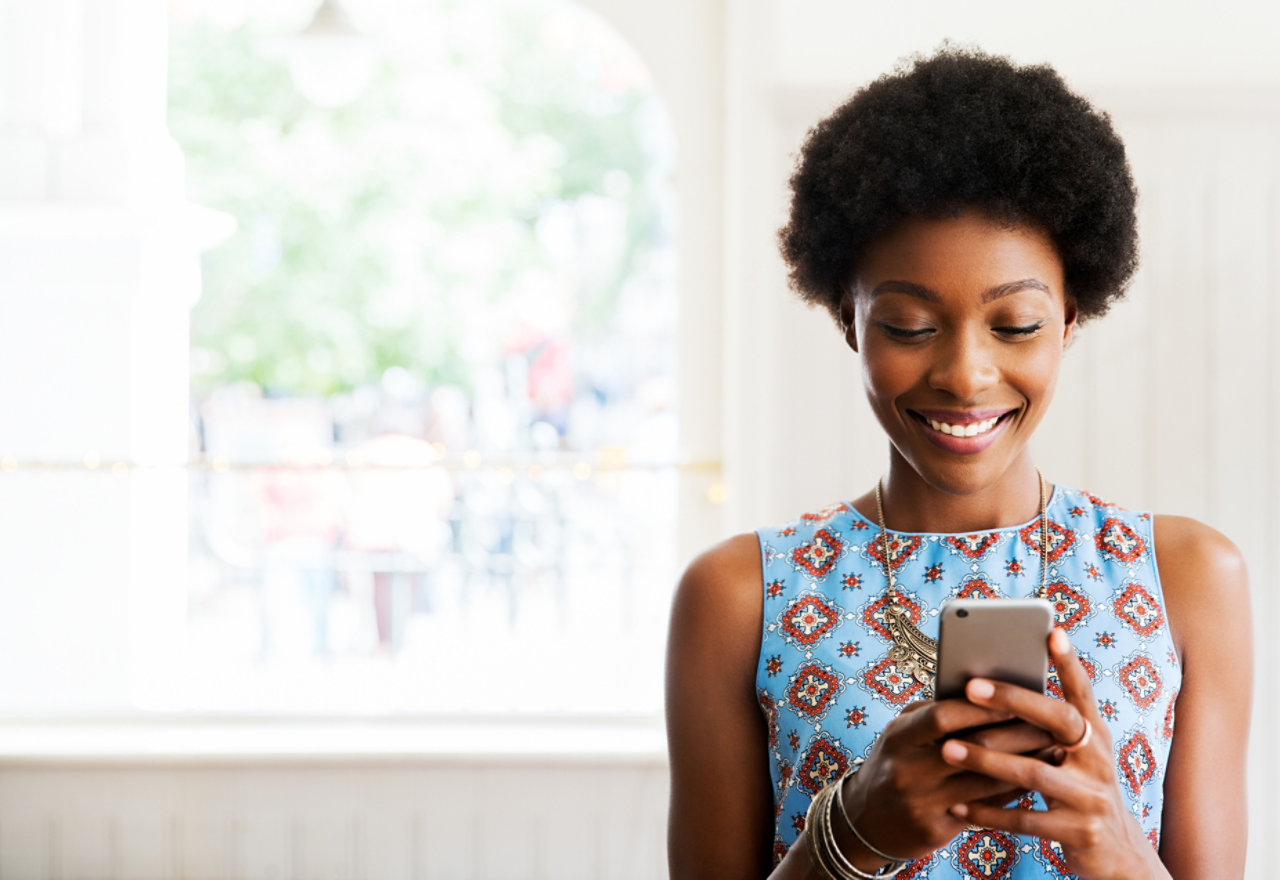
(960, 612)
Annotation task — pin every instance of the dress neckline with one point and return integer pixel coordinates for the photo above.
(1049, 502)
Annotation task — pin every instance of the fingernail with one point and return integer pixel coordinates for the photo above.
(1059, 755)
(953, 750)
(981, 688)
(960, 811)
(1058, 642)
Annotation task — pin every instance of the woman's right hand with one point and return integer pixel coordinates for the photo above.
(899, 799)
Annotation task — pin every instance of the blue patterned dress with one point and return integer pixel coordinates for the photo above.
(827, 687)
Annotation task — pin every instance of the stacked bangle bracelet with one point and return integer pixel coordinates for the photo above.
(824, 852)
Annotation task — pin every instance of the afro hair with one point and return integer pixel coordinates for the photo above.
(960, 130)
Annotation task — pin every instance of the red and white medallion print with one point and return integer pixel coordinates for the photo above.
(825, 761)
(1117, 540)
(901, 549)
(1070, 606)
(1141, 681)
(874, 615)
(818, 556)
(1137, 762)
(917, 870)
(987, 854)
(974, 547)
(1138, 609)
(813, 690)
(1053, 686)
(808, 619)
(977, 587)
(1049, 853)
(1061, 539)
(887, 682)
(826, 513)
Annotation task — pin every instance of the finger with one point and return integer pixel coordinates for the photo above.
(1017, 737)
(944, 718)
(1062, 720)
(1025, 772)
(1007, 798)
(1076, 687)
(1035, 823)
(965, 787)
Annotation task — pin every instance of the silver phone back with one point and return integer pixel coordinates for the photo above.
(1000, 639)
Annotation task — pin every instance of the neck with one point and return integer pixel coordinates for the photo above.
(911, 504)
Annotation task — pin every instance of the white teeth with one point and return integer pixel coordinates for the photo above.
(973, 429)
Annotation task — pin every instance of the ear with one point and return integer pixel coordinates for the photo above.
(1069, 328)
(847, 315)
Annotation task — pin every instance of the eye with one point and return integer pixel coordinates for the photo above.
(1019, 330)
(907, 333)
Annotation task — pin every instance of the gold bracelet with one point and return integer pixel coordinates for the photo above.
(848, 823)
(823, 850)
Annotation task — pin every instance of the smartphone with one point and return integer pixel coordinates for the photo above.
(1000, 639)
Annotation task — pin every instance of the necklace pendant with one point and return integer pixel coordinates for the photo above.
(911, 664)
(913, 652)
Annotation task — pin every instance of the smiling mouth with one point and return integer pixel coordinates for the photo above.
(965, 428)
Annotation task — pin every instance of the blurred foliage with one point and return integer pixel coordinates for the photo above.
(403, 229)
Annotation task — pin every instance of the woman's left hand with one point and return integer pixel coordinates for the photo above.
(1086, 810)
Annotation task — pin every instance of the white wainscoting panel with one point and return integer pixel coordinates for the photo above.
(417, 821)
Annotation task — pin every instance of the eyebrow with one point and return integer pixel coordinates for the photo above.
(989, 295)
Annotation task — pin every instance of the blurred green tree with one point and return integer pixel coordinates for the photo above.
(405, 228)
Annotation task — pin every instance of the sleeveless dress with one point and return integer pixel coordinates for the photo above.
(827, 687)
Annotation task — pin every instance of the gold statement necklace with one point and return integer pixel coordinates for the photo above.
(915, 653)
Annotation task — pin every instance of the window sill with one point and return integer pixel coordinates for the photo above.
(33, 742)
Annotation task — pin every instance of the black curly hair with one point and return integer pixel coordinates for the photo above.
(963, 129)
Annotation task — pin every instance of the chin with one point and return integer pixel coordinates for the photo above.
(958, 476)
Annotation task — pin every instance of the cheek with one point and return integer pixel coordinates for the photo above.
(884, 378)
(1037, 376)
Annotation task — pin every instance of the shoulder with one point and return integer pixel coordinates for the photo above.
(1190, 550)
(730, 560)
(721, 592)
(1204, 580)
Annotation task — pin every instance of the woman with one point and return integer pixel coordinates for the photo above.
(960, 218)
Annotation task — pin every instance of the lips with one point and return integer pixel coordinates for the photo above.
(962, 431)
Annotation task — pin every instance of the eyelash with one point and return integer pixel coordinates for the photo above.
(1025, 330)
(901, 333)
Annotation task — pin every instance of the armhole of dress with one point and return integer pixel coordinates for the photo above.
(1158, 582)
(764, 612)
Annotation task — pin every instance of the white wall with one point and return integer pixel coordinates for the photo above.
(96, 276)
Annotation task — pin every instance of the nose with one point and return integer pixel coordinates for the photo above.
(965, 367)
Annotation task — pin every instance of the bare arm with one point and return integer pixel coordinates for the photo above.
(1206, 589)
(721, 817)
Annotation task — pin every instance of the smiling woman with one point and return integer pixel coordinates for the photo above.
(959, 218)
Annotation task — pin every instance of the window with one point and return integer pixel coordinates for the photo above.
(433, 368)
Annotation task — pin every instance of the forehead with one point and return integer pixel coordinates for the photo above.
(960, 255)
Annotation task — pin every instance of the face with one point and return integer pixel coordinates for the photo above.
(961, 324)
